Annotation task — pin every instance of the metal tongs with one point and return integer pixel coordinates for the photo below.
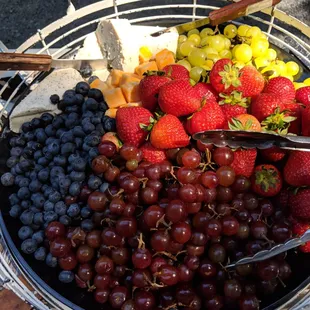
(253, 139)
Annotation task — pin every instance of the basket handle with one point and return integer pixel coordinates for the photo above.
(238, 9)
(27, 62)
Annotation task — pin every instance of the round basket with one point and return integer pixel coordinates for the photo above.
(31, 280)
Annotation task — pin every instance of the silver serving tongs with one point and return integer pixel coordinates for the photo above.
(253, 139)
(277, 249)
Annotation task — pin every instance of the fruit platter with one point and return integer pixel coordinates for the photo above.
(108, 202)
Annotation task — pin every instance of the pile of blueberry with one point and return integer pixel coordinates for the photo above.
(50, 166)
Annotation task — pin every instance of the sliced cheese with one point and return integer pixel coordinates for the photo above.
(38, 101)
(90, 49)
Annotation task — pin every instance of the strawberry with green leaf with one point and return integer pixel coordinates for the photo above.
(245, 122)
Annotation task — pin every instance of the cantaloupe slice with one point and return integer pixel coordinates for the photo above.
(132, 104)
(147, 66)
(164, 58)
(131, 91)
(114, 98)
(103, 86)
(111, 113)
(116, 76)
(129, 77)
(145, 54)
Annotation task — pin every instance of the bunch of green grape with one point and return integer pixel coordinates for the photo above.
(244, 45)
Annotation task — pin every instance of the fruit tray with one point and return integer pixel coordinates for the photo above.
(39, 285)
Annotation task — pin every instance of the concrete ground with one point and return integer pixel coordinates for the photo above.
(19, 19)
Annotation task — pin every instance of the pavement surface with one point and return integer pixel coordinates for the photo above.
(19, 19)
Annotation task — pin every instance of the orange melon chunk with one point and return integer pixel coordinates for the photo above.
(132, 104)
(131, 91)
(164, 58)
(111, 113)
(116, 76)
(147, 66)
(129, 77)
(103, 86)
(114, 98)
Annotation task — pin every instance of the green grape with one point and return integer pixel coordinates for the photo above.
(186, 47)
(206, 32)
(280, 65)
(208, 65)
(230, 31)
(209, 50)
(261, 62)
(288, 77)
(238, 64)
(182, 38)
(242, 30)
(307, 82)
(195, 38)
(234, 50)
(225, 54)
(217, 42)
(195, 73)
(193, 31)
(272, 69)
(292, 68)
(243, 53)
(214, 57)
(179, 54)
(262, 36)
(254, 32)
(227, 43)
(271, 54)
(196, 57)
(259, 47)
(185, 64)
(206, 41)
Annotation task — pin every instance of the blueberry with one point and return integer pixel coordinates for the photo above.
(56, 171)
(13, 199)
(7, 179)
(29, 246)
(20, 141)
(64, 183)
(37, 155)
(25, 232)
(77, 176)
(44, 175)
(70, 123)
(92, 140)
(73, 210)
(60, 208)
(54, 197)
(60, 160)
(27, 217)
(50, 130)
(40, 135)
(50, 216)
(17, 179)
(16, 151)
(79, 164)
(61, 105)
(33, 175)
(38, 236)
(100, 129)
(87, 115)
(38, 200)
(26, 127)
(72, 157)
(38, 218)
(94, 182)
(35, 186)
(58, 122)
(54, 99)
(103, 106)
(68, 148)
(24, 182)
(34, 209)
(79, 100)
(82, 88)
(67, 137)
(78, 142)
(88, 127)
(38, 167)
(12, 161)
(40, 254)
(29, 136)
(53, 148)
(47, 118)
(36, 123)
(23, 193)
(87, 225)
(66, 276)
(65, 219)
(92, 78)
(109, 124)
(48, 206)
(25, 204)
(86, 147)
(44, 187)
(25, 165)
(75, 189)
(15, 211)
(93, 152)
(50, 260)
(104, 187)
(78, 132)
(28, 152)
(86, 212)
(95, 94)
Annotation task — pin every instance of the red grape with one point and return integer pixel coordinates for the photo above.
(191, 159)
(223, 156)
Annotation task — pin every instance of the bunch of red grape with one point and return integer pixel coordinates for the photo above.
(165, 232)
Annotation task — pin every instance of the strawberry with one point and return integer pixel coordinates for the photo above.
(296, 171)
(206, 91)
(281, 86)
(149, 88)
(252, 82)
(294, 110)
(176, 72)
(305, 121)
(128, 124)
(299, 229)
(303, 95)
(168, 133)
(273, 154)
(152, 154)
(244, 162)
(231, 111)
(266, 180)
(209, 117)
(224, 77)
(179, 98)
(299, 204)
(245, 122)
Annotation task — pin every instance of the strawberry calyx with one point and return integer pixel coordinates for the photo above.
(235, 98)
(148, 127)
(236, 124)
(278, 122)
(230, 76)
(266, 178)
(154, 72)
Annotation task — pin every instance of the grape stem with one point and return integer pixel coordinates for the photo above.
(162, 221)
(281, 281)
(117, 194)
(108, 221)
(154, 284)
(144, 181)
(91, 288)
(172, 173)
(166, 254)
(141, 244)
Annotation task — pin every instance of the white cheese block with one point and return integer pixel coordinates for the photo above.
(90, 49)
(38, 101)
